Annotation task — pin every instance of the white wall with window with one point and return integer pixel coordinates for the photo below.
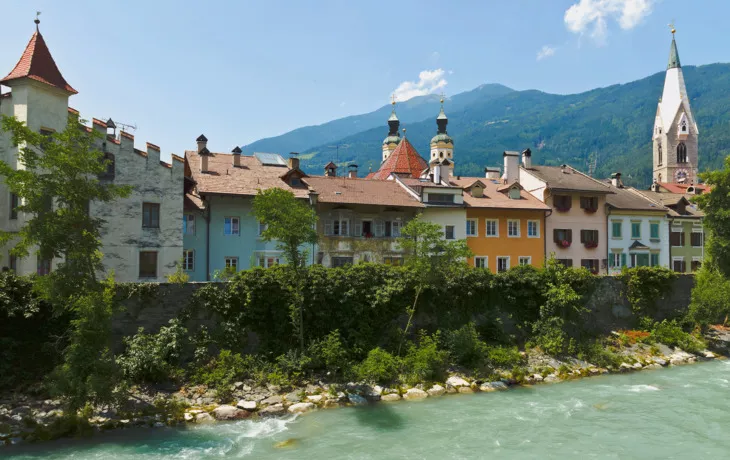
(637, 239)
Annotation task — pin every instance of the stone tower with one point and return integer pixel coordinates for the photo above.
(393, 139)
(675, 136)
(442, 146)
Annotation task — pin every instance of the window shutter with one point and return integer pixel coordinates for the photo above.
(379, 228)
(681, 243)
(345, 227)
(569, 235)
(357, 228)
(555, 236)
(623, 259)
(328, 227)
(583, 236)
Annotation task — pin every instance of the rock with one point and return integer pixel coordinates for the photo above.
(637, 366)
(378, 390)
(159, 425)
(273, 410)
(625, 367)
(456, 382)
(551, 378)
(661, 362)
(294, 397)
(415, 394)
(315, 398)
(486, 387)
(537, 378)
(653, 366)
(356, 399)
(390, 397)
(276, 399)
(436, 390)
(227, 412)
(300, 408)
(188, 416)
(246, 405)
(709, 355)
(273, 388)
(594, 371)
(465, 390)
(331, 403)
(204, 418)
(238, 385)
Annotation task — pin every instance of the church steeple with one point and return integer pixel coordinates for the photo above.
(442, 146)
(393, 138)
(673, 54)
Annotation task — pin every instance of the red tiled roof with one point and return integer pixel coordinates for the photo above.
(495, 196)
(37, 64)
(361, 191)
(682, 188)
(404, 161)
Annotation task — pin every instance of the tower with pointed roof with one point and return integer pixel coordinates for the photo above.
(675, 135)
(442, 146)
(393, 138)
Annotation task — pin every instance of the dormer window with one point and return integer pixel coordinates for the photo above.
(514, 193)
(295, 182)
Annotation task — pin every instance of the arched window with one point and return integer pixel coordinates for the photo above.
(110, 171)
(659, 153)
(659, 179)
(681, 153)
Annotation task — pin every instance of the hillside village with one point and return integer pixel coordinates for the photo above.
(197, 210)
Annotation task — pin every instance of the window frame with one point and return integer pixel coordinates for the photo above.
(484, 262)
(147, 213)
(475, 224)
(43, 266)
(186, 224)
(508, 263)
(14, 204)
(568, 233)
(446, 232)
(614, 259)
(652, 257)
(536, 224)
(509, 228)
(620, 224)
(682, 262)
(496, 228)
(261, 228)
(341, 263)
(147, 275)
(232, 219)
(230, 262)
(263, 260)
(681, 238)
(701, 236)
(637, 235)
(590, 263)
(589, 204)
(188, 263)
(654, 225)
(562, 203)
(522, 259)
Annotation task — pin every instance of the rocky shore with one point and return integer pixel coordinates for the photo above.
(24, 418)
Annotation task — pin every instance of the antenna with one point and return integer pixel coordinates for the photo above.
(592, 163)
(122, 126)
(337, 150)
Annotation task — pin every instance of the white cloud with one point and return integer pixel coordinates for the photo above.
(591, 16)
(545, 52)
(429, 81)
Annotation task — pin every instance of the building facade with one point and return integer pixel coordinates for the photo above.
(141, 237)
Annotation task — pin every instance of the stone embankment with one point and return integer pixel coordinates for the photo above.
(21, 416)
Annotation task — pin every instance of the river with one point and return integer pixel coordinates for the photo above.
(681, 412)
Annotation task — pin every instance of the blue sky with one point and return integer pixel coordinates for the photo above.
(239, 71)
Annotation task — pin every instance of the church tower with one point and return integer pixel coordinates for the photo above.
(442, 146)
(675, 137)
(393, 139)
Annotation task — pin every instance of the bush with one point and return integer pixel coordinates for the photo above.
(710, 298)
(424, 361)
(671, 334)
(329, 354)
(596, 354)
(225, 369)
(549, 335)
(379, 366)
(504, 357)
(466, 347)
(154, 358)
(645, 286)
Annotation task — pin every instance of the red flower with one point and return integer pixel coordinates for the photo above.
(565, 243)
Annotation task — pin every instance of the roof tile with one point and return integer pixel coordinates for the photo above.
(37, 64)
(404, 161)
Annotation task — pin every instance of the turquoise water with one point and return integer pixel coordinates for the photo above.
(681, 412)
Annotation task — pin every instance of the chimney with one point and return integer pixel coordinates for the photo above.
(204, 154)
(236, 157)
(293, 161)
(655, 186)
(616, 180)
(352, 173)
(511, 167)
(202, 142)
(527, 158)
(330, 169)
(491, 173)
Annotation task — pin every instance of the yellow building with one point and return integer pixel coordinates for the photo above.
(504, 224)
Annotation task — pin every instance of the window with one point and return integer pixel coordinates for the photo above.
(513, 228)
(563, 237)
(590, 264)
(440, 198)
(481, 262)
(533, 229)
(654, 259)
(635, 230)
(449, 232)
(189, 224)
(188, 260)
(681, 153)
(262, 228)
(492, 228)
(471, 227)
(616, 229)
(395, 228)
(502, 264)
(639, 260)
(231, 226)
(151, 215)
(268, 261)
(14, 203)
(148, 264)
(525, 260)
(565, 262)
(562, 203)
(676, 238)
(696, 239)
(48, 135)
(13, 263)
(341, 261)
(696, 264)
(337, 227)
(589, 238)
(614, 259)
(589, 203)
(108, 161)
(43, 266)
(654, 231)
(295, 182)
(678, 265)
(379, 228)
(231, 263)
(660, 154)
(394, 261)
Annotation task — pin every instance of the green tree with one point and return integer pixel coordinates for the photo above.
(716, 206)
(292, 224)
(429, 257)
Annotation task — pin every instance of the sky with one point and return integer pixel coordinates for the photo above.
(239, 71)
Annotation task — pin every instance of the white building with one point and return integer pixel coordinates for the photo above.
(142, 237)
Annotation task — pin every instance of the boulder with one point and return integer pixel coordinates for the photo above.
(273, 410)
(390, 397)
(455, 381)
(315, 398)
(625, 367)
(204, 418)
(552, 378)
(276, 399)
(660, 361)
(653, 366)
(331, 403)
(294, 397)
(415, 394)
(486, 387)
(227, 412)
(465, 390)
(537, 378)
(637, 366)
(356, 399)
(246, 405)
(436, 390)
(709, 355)
(188, 417)
(300, 408)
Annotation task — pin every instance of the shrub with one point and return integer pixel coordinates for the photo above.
(225, 369)
(424, 361)
(645, 286)
(549, 335)
(596, 354)
(329, 354)
(710, 298)
(379, 366)
(154, 358)
(465, 346)
(504, 357)
(671, 334)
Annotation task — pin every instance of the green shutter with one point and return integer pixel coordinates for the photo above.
(654, 231)
(654, 260)
(623, 259)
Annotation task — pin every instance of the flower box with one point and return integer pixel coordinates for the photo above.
(591, 244)
(565, 243)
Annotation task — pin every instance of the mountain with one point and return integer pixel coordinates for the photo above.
(415, 109)
(614, 124)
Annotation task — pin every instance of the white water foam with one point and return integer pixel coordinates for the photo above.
(641, 388)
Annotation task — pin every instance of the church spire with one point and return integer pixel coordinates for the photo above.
(442, 120)
(673, 53)
(393, 138)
